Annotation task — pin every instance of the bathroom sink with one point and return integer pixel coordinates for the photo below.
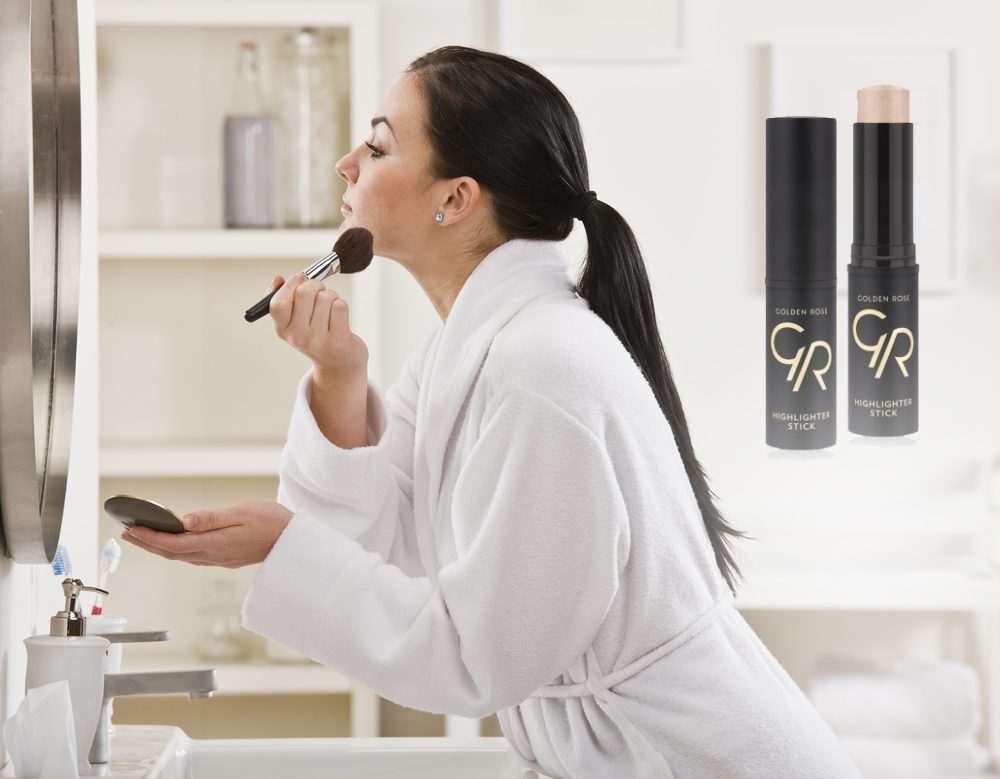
(165, 752)
(309, 758)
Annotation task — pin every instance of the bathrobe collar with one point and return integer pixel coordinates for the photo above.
(510, 277)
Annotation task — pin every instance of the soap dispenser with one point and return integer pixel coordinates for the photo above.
(69, 653)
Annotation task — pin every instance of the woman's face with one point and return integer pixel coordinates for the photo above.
(389, 186)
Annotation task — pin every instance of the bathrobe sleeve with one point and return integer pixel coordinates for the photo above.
(365, 492)
(542, 536)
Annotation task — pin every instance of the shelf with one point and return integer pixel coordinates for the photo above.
(253, 678)
(189, 460)
(235, 244)
(918, 589)
(172, 13)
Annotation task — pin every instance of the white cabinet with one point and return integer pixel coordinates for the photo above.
(195, 401)
(941, 577)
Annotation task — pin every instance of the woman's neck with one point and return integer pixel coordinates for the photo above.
(443, 277)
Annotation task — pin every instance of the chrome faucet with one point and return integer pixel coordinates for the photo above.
(200, 683)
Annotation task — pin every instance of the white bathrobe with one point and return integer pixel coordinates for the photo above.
(521, 537)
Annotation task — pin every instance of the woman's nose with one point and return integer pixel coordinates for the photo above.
(347, 168)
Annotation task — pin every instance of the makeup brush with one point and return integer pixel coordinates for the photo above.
(351, 253)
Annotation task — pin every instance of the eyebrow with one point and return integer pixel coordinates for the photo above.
(385, 121)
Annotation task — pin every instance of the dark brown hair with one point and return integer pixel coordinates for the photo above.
(504, 124)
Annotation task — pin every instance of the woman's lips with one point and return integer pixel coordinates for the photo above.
(346, 209)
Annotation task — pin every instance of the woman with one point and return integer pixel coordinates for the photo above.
(519, 525)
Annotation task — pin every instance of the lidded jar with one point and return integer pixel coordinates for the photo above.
(311, 115)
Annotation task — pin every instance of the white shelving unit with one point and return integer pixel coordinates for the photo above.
(195, 402)
(942, 589)
(946, 585)
(179, 461)
(244, 244)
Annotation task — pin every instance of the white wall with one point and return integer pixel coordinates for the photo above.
(678, 149)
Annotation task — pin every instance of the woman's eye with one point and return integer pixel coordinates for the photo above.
(376, 153)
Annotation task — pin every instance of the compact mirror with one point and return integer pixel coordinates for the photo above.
(131, 511)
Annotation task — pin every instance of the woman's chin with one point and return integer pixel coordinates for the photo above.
(350, 220)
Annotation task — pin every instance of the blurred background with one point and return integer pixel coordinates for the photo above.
(209, 142)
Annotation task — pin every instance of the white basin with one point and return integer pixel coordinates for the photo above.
(165, 752)
(313, 758)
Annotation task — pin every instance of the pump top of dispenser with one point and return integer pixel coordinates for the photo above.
(70, 621)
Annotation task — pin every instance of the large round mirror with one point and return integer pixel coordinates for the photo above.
(39, 267)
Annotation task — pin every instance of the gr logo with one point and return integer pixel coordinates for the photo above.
(797, 364)
(877, 348)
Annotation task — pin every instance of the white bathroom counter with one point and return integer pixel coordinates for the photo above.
(135, 751)
(166, 752)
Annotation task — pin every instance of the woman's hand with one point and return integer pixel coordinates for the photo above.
(314, 320)
(237, 535)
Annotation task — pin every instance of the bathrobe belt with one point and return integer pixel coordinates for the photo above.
(641, 750)
(599, 684)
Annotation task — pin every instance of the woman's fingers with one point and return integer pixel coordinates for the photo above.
(339, 317)
(142, 543)
(324, 304)
(175, 543)
(302, 309)
(240, 534)
(304, 305)
(211, 519)
(282, 304)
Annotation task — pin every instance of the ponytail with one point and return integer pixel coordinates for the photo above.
(615, 284)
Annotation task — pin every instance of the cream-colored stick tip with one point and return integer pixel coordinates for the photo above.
(883, 103)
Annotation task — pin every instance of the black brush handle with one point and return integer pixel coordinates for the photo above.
(261, 308)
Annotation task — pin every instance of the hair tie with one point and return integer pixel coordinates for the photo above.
(582, 202)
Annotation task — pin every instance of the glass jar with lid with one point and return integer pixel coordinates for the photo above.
(311, 69)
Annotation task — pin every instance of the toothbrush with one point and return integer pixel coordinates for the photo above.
(60, 563)
(110, 557)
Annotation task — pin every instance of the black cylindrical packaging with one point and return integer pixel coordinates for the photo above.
(801, 282)
(882, 284)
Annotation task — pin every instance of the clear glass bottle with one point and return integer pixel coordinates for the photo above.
(249, 146)
(309, 109)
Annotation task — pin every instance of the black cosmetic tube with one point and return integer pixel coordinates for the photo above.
(801, 282)
(882, 284)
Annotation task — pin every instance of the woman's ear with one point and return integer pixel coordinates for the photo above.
(463, 198)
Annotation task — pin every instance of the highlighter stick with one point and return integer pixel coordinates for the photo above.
(882, 275)
(801, 282)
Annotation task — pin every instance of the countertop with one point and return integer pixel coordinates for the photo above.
(151, 750)
(135, 750)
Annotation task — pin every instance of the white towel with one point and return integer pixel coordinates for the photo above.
(905, 758)
(901, 699)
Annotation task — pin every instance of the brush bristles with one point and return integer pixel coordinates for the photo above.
(354, 248)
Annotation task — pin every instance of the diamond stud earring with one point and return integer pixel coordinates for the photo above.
(440, 217)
